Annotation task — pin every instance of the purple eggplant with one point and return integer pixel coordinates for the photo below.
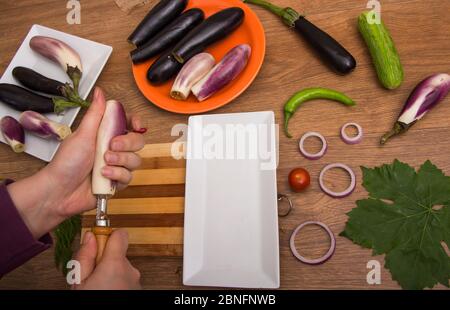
(192, 72)
(214, 28)
(330, 50)
(169, 36)
(13, 133)
(159, 16)
(42, 127)
(163, 69)
(38, 82)
(423, 98)
(223, 73)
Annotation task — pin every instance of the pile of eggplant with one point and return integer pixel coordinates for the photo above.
(180, 38)
(60, 96)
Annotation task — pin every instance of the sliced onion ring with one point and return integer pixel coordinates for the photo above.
(317, 155)
(352, 140)
(319, 260)
(344, 193)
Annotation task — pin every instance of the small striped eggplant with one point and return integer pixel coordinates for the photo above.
(42, 127)
(423, 98)
(223, 73)
(13, 133)
(60, 53)
(113, 124)
(192, 72)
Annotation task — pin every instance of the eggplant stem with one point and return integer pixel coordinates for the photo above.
(75, 75)
(60, 105)
(396, 130)
(288, 15)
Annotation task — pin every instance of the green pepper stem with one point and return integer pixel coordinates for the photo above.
(396, 130)
(288, 15)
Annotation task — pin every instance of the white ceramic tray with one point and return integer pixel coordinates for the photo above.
(93, 56)
(231, 220)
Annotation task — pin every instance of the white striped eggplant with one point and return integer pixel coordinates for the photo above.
(114, 123)
(223, 73)
(60, 53)
(13, 133)
(423, 98)
(41, 126)
(169, 36)
(158, 17)
(192, 72)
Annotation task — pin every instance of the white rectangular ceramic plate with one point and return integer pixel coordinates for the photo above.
(93, 56)
(231, 220)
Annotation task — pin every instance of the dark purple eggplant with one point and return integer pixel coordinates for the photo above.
(328, 48)
(159, 16)
(214, 28)
(331, 51)
(170, 35)
(163, 69)
(37, 82)
(22, 99)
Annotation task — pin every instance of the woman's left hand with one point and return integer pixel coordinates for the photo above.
(63, 188)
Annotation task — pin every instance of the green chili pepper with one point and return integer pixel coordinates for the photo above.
(308, 94)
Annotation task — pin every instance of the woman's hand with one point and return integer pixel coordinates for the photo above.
(114, 272)
(63, 188)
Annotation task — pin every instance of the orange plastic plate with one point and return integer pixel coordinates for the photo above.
(250, 32)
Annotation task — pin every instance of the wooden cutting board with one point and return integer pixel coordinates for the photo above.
(152, 207)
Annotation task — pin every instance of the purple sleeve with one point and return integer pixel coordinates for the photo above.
(17, 245)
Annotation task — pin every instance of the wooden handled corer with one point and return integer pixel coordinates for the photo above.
(102, 229)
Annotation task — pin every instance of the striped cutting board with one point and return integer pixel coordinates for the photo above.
(152, 207)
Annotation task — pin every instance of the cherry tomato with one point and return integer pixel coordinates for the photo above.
(299, 179)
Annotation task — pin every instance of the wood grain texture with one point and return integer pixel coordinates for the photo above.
(420, 30)
(164, 214)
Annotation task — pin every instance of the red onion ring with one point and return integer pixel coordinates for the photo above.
(319, 260)
(344, 193)
(317, 155)
(352, 140)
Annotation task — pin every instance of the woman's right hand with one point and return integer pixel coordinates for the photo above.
(114, 272)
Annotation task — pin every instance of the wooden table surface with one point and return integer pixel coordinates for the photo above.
(421, 32)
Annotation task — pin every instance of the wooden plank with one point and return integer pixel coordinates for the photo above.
(156, 205)
(172, 190)
(157, 150)
(162, 162)
(158, 177)
(139, 220)
(151, 235)
(155, 250)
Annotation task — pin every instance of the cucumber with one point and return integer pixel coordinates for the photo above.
(382, 49)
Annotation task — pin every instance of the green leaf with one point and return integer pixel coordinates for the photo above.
(407, 218)
(65, 234)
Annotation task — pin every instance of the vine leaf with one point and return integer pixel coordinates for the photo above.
(407, 218)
